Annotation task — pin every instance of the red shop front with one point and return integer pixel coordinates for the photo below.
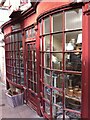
(47, 55)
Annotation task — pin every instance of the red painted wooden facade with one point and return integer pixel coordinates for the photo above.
(31, 64)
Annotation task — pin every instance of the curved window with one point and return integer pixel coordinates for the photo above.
(61, 62)
(14, 58)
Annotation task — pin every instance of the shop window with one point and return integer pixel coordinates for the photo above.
(14, 53)
(61, 63)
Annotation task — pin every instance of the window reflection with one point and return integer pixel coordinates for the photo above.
(46, 25)
(73, 19)
(57, 22)
(57, 42)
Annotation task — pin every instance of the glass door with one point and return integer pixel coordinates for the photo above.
(31, 74)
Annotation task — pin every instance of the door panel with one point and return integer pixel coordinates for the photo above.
(31, 74)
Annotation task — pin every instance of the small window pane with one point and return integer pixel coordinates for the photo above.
(73, 19)
(41, 44)
(47, 92)
(47, 60)
(47, 108)
(73, 39)
(73, 91)
(40, 28)
(57, 42)
(47, 76)
(47, 43)
(32, 32)
(57, 22)
(57, 61)
(73, 61)
(57, 80)
(26, 33)
(47, 25)
(57, 106)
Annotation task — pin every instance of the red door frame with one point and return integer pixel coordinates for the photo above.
(86, 64)
(32, 97)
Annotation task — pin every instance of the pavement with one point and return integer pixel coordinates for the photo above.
(13, 113)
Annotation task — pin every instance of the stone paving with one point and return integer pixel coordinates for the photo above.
(22, 111)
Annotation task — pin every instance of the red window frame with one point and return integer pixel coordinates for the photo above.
(63, 71)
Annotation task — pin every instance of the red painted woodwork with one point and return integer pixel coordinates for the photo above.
(30, 20)
(86, 66)
(47, 6)
(38, 102)
(7, 30)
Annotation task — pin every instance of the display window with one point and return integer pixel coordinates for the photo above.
(14, 58)
(61, 63)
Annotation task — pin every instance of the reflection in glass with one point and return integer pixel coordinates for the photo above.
(46, 25)
(47, 43)
(32, 32)
(57, 22)
(73, 19)
(57, 42)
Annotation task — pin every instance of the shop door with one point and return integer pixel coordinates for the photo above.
(31, 75)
